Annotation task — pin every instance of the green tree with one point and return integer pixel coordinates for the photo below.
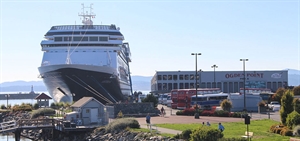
(296, 90)
(278, 95)
(226, 105)
(151, 98)
(286, 105)
(36, 106)
(296, 104)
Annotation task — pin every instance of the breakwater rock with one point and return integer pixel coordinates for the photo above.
(126, 135)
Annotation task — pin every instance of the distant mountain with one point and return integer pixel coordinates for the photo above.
(139, 83)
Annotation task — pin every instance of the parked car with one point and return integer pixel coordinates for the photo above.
(274, 106)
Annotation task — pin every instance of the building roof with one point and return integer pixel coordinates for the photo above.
(84, 100)
(43, 96)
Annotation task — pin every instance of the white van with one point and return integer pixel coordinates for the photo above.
(169, 101)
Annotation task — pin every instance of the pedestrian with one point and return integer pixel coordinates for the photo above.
(162, 111)
(221, 127)
(148, 120)
(203, 123)
(207, 123)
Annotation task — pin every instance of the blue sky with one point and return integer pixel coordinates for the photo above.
(162, 34)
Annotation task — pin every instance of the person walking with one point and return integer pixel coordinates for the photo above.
(162, 111)
(221, 127)
(148, 120)
(207, 123)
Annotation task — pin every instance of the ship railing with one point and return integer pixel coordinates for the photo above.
(78, 27)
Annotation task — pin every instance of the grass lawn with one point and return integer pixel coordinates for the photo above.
(260, 129)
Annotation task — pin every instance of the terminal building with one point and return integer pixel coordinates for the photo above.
(227, 81)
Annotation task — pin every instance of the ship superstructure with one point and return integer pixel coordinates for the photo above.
(86, 60)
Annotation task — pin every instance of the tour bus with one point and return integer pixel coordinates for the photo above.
(163, 99)
(174, 96)
(182, 98)
(208, 100)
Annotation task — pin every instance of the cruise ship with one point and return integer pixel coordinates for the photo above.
(86, 60)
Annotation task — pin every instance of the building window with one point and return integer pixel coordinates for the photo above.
(159, 86)
(175, 77)
(186, 85)
(180, 85)
(158, 77)
(181, 77)
(164, 86)
(191, 77)
(175, 86)
(87, 110)
(164, 77)
(186, 77)
(170, 86)
(192, 85)
(169, 77)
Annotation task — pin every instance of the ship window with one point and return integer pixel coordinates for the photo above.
(57, 39)
(93, 38)
(84, 39)
(169, 77)
(77, 38)
(103, 39)
(191, 77)
(87, 111)
(80, 38)
(67, 38)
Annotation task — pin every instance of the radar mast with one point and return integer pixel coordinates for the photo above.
(87, 16)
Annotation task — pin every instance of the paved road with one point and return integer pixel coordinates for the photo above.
(171, 117)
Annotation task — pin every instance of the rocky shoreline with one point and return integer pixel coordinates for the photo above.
(98, 134)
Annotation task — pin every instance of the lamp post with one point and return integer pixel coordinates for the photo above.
(196, 54)
(200, 78)
(214, 66)
(244, 60)
(7, 96)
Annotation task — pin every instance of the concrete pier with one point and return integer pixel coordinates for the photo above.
(18, 96)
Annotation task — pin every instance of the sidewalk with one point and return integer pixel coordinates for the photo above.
(161, 130)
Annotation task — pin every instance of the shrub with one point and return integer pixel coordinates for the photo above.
(206, 113)
(3, 106)
(226, 105)
(296, 104)
(286, 105)
(186, 134)
(232, 139)
(42, 112)
(36, 106)
(206, 133)
(121, 124)
(296, 130)
(180, 112)
(293, 119)
(189, 111)
(22, 107)
(221, 113)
